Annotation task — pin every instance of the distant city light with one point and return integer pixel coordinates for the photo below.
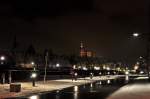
(57, 65)
(76, 74)
(127, 73)
(96, 68)
(74, 66)
(141, 57)
(84, 68)
(136, 67)
(108, 68)
(104, 67)
(141, 72)
(135, 34)
(108, 73)
(138, 63)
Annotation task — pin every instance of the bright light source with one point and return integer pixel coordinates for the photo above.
(136, 67)
(141, 57)
(135, 34)
(75, 88)
(57, 65)
(108, 68)
(34, 97)
(76, 74)
(91, 85)
(96, 68)
(141, 72)
(74, 66)
(126, 72)
(32, 63)
(104, 67)
(2, 58)
(84, 68)
(33, 75)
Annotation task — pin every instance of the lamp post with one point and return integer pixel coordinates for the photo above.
(46, 62)
(2, 59)
(147, 52)
(33, 74)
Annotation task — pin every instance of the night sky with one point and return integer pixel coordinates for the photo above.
(105, 26)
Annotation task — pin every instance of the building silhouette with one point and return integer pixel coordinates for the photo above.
(84, 52)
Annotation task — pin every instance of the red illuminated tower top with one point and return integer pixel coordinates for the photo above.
(82, 50)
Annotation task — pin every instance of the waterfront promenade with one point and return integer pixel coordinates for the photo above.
(50, 85)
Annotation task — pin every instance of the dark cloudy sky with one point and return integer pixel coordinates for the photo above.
(103, 25)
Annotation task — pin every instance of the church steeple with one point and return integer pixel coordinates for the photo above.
(82, 50)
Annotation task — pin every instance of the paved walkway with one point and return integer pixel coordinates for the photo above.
(50, 85)
(133, 91)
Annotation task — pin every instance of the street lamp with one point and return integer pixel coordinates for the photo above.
(33, 76)
(2, 58)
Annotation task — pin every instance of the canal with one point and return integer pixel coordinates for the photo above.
(96, 90)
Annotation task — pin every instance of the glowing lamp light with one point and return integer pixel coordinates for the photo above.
(108, 68)
(104, 67)
(32, 63)
(135, 34)
(108, 73)
(33, 75)
(136, 67)
(76, 74)
(141, 72)
(57, 65)
(96, 68)
(84, 68)
(2, 58)
(126, 72)
(74, 66)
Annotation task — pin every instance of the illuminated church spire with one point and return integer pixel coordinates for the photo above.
(82, 50)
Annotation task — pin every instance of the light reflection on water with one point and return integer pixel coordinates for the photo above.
(75, 95)
(126, 79)
(108, 81)
(75, 88)
(91, 85)
(99, 89)
(34, 97)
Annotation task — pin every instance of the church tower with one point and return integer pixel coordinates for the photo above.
(82, 50)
